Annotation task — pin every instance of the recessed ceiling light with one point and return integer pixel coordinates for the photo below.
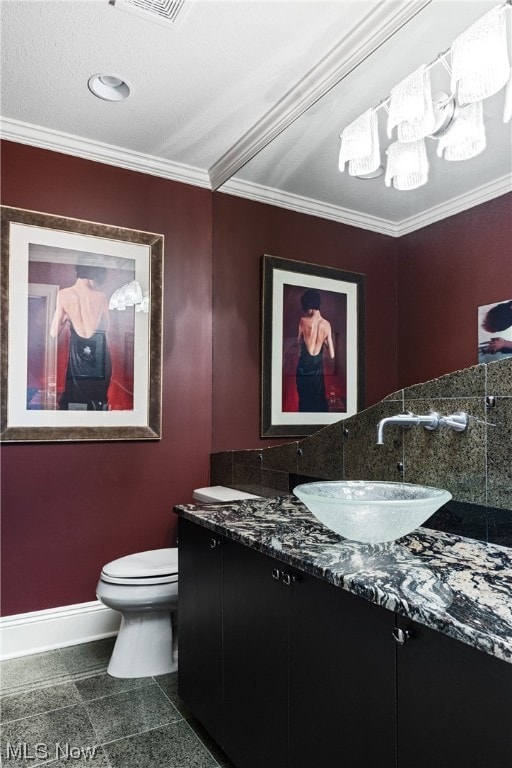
(109, 87)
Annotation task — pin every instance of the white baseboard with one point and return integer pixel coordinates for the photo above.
(39, 631)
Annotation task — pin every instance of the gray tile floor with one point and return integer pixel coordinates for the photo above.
(60, 708)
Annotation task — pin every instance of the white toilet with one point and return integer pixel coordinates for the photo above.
(144, 587)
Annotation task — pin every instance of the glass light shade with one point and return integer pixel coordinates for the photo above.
(133, 294)
(144, 304)
(480, 64)
(128, 295)
(410, 107)
(407, 166)
(466, 137)
(507, 110)
(360, 145)
(113, 300)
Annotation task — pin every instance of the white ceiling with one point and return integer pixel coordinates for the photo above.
(247, 96)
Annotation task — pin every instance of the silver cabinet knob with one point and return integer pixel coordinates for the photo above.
(276, 574)
(288, 579)
(214, 543)
(401, 635)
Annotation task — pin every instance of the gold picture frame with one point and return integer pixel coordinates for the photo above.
(60, 382)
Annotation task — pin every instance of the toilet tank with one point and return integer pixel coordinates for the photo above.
(220, 493)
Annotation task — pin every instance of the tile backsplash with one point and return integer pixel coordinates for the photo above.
(474, 465)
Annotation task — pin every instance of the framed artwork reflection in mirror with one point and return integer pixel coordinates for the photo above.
(312, 354)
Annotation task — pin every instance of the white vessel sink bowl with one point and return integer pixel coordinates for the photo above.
(368, 511)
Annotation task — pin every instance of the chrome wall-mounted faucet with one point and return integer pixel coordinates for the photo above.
(456, 421)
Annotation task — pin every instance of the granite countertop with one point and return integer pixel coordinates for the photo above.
(458, 586)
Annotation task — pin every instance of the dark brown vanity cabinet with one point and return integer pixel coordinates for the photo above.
(288, 671)
(200, 624)
(454, 703)
(255, 647)
(341, 680)
(307, 670)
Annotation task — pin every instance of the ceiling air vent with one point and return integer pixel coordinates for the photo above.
(167, 12)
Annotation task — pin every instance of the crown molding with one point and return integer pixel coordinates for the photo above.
(25, 133)
(463, 202)
(377, 27)
(299, 204)
(292, 202)
(66, 143)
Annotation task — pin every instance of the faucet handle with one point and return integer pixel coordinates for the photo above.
(435, 420)
(457, 421)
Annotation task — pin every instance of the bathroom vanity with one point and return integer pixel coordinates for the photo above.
(299, 648)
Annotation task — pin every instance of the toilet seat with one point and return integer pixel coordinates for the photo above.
(156, 566)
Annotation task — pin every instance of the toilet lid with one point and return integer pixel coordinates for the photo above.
(157, 566)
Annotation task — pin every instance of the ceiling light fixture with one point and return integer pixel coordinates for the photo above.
(109, 87)
(479, 67)
(373, 174)
(445, 111)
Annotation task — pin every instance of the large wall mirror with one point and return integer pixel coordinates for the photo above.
(298, 169)
(302, 160)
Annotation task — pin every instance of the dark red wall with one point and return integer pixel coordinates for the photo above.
(68, 508)
(445, 272)
(243, 231)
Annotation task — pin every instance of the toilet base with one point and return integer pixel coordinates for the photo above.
(144, 645)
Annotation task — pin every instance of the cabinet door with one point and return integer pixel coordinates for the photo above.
(342, 679)
(200, 624)
(255, 659)
(454, 704)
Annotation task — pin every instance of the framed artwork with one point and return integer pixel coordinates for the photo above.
(494, 331)
(81, 330)
(312, 346)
